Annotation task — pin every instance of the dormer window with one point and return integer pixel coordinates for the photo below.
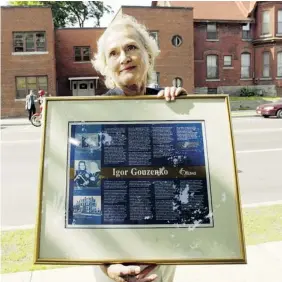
(246, 31)
(211, 31)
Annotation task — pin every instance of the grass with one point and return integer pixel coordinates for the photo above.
(17, 249)
(261, 225)
(253, 98)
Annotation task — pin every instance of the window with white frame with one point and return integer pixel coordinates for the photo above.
(82, 53)
(25, 84)
(227, 61)
(265, 23)
(155, 79)
(29, 41)
(279, 64)
(155, 35)
(211, 31)
(266, 64)
(279, 22)
(246, 31)
(245, 65)
(212, 66)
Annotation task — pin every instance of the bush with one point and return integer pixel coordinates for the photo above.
(250, 92)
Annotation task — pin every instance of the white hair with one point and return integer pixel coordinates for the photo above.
(149, 43)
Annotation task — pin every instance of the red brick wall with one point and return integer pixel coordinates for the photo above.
(66, 40)
(172, 61)
(229, 43)
(24, 19)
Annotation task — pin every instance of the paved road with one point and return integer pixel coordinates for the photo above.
(259, 154)
(258, 144)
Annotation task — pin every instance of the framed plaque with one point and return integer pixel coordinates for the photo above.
(138, 180)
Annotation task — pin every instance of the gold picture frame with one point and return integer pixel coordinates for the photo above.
(177, 202)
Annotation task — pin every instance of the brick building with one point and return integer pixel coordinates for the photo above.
(206, 46)
(236, 44)
(27, 56)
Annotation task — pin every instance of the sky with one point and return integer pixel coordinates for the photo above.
(115, 4)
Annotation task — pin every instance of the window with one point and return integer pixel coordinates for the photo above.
(177, 82)
(211, 31)
(155, 35)
(227, 61)
(212, 66)
(176, 40)
(265, 23)
(279, 22)
(246, 32)
(266, 64)
(245, 65)
(25, 84)
(29, 41)
(155, 80)
(279, 64)
(82, 54)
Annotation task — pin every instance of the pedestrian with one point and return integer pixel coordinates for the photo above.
(126, 57)
(30, 101)
(41, 94)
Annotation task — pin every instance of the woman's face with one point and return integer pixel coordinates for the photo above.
(126, 57)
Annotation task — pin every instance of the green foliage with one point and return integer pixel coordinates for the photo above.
(69, 13)
(249, 92)
(263, 224)
(26, 3)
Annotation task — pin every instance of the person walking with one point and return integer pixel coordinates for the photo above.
(30, 104)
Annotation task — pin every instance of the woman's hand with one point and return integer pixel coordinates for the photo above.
(130, 273)
(170, 93)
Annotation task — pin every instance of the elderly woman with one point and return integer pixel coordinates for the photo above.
(126, 57)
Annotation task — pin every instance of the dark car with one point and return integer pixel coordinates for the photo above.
(271, 109)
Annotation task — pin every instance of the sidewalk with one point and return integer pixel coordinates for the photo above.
(264, 265)
(14, 121)
(25, 121)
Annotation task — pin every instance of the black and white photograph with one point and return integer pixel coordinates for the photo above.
(87, 174)
(88, 141)
(86, 210)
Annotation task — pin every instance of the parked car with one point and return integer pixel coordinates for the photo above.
(271, 109)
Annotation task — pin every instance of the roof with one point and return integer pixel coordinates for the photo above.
(215, 10)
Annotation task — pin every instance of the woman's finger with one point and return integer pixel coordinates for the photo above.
(179, 91)
(161, 93)
(167, 93)
(172, 93)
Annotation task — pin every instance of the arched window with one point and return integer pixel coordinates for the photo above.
(177, 82)
(212, 66)
(279, 64)
(245, 65)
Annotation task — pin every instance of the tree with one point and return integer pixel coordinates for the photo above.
(69, 13)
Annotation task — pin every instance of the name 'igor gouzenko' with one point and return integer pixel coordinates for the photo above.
(137, 171)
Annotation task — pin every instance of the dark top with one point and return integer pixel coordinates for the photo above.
(119, 92)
